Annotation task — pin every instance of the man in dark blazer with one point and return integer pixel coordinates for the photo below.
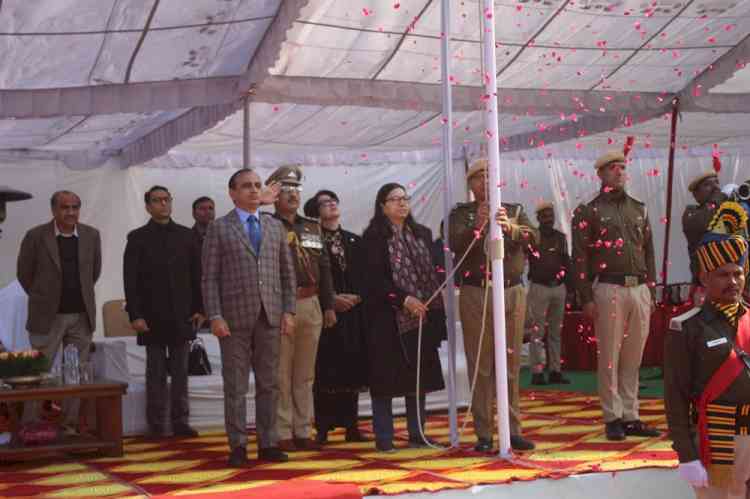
(162, 282)
(249, 291)
(58, 264)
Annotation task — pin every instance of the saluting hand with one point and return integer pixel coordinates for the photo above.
(220, 328)
(270, 193)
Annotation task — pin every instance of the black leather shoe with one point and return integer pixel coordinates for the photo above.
(614, 430)
(557, 378)
(272, 454)
(638, 428)
(321, 437)
(384, 446)
(538, 379)
(155, 433)
(483, 445)
(184, 431)
(354, 435)
(238, 457)
(520, 443)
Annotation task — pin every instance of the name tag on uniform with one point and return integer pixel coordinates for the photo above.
(311, 241)
(716, 342)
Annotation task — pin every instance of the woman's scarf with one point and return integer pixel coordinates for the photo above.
(413, 272)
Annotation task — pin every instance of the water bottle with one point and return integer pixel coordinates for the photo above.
(71, 373)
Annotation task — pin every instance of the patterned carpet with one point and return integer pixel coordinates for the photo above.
(566, 427)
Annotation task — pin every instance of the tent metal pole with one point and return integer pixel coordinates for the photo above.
(246, 132)
(496, 235)
(670, 181)
(448, 196)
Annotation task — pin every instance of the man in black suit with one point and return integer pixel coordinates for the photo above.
(162, 290)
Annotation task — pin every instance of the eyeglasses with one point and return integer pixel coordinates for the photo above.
(399, 199)
(327, 202)
(165, 200)
(291, 188)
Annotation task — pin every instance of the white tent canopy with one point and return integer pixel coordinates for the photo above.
(354, 86)
(86, 81)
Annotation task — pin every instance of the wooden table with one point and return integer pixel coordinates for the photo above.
(107, 396)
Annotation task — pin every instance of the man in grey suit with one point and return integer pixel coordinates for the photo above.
(58, 264)
(249, 295)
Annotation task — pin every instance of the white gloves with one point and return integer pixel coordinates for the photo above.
(693, 473)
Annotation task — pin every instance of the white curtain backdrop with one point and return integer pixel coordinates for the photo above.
(113, 197)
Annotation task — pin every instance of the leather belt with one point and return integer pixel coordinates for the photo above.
(307, 292)
(550, 284)
(509, 283)
(629, 281)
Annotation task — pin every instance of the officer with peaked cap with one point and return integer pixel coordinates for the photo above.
(469, 221)
(315, 310)
(706, 190)
(549, 267)
(614, 274)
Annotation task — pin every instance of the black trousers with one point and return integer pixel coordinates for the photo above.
(335, 410)
(160, 360)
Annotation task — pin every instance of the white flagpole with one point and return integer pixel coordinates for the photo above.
(450, 305)
(496, 235)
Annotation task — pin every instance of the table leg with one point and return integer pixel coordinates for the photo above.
(109, 422)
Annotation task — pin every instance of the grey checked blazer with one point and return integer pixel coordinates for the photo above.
(236, 282)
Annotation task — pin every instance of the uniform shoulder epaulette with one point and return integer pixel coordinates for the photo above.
(590, 199)
(676, 323)
(634, 198)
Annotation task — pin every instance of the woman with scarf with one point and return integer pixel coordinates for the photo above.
(341, 364)
(401, 280)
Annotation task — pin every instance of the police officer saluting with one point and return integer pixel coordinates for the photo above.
(613, 272)
(315, 298)
(707, 368)
(467, 222)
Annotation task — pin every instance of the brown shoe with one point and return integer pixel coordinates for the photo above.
(306, 444)
(287, 445)
(272, 455)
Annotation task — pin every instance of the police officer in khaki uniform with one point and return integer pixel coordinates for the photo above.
(613, 260)
(466, 220)
(549, 267)
(315, 298)
(706, 190)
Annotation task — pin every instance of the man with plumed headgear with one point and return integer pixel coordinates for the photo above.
(706, 190)
(707, 368)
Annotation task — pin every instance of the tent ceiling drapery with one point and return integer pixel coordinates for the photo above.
(91, 80)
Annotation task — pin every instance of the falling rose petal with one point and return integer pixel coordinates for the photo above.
(711, 39)
(366, 12)
(664, 220)
(396, 5)
(488, 13)
(275, 109)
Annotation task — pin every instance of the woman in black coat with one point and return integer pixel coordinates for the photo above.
(341, 364)
(400, 279)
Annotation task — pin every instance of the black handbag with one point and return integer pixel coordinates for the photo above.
(198, 364)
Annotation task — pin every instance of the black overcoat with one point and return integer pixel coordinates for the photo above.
(392, 357)
(162, 282)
